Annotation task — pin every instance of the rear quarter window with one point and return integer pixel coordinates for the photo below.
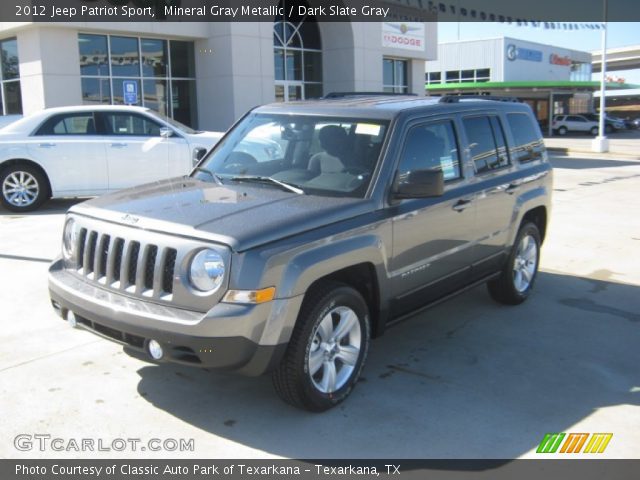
(528, 143)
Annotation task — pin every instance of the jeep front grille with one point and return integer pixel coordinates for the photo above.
(128, 265)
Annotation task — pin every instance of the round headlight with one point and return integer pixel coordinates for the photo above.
(207, 271)
(69, 239)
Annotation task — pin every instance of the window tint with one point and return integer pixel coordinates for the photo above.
(431, 146)
(528, 143)
(575, 118)
(69, 124)
(131, 124)
(486, 142)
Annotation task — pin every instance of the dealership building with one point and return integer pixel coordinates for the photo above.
(552, 80)
(207, 74)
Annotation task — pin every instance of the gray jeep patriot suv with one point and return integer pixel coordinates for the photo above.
(308, 230)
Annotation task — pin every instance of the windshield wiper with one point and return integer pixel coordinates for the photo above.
(213, 175)
(261, 179)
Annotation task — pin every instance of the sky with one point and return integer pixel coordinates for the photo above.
(619, 34)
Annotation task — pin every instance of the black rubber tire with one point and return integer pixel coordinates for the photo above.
(43, 187)
(562, 131)
(291, 379)
(502, 289)
(594, 131)
(608, 129)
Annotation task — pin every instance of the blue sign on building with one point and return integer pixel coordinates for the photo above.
(130, 91)
(521, 53)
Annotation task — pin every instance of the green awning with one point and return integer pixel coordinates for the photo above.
(533, 84)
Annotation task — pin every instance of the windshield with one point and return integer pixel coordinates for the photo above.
(174, 123)
(320, 155)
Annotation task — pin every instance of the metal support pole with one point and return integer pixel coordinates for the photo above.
(600, 144)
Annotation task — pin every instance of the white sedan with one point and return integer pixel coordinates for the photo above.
(91, 150)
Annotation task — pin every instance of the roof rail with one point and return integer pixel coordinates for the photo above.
(457, 98)
(366, 94)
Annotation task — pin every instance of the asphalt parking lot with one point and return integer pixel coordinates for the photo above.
(467, 379)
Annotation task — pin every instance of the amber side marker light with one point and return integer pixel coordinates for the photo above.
(250, 296)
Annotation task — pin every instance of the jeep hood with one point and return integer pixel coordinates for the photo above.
(240, 215)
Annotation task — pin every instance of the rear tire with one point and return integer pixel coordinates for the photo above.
(594, 131)
(23, 188)
(327, 349)
(518, 276)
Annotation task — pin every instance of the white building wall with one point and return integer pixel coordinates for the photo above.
(468, 55)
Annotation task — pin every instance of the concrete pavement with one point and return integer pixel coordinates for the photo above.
(467, 379)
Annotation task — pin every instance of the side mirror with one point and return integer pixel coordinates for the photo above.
(166, 132)
(419, 184)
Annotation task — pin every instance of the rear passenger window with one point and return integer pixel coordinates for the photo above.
(486, 142)
(528, 142)
(69, 124)
(429, 147)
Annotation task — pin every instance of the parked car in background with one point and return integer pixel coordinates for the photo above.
(563, 124)
(611, 124)
(90, 150)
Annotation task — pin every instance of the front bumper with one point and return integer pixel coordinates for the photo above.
(228, 337)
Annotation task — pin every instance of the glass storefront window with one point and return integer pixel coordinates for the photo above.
(297, 53)
(395, 75)
(154, 57)
(164, 71)
(10, 93)
(184, 101)
(183, 63)
(96, 91)
(12, 98)
(125, 57)
(94, 55)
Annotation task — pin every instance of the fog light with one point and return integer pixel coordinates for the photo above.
(71, 318)
(155, 350)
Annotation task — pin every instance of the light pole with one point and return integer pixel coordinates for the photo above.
(600, 144)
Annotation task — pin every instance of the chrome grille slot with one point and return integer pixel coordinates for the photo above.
(114, 262)
(89, 254)
(81, 239)
(168, 269)
(149, 266)
(100, 264)
(130, 266)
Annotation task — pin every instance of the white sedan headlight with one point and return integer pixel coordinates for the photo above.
(70, 240)
(207, 271)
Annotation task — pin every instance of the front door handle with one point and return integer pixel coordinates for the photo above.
(461, 204)
(118, 145)
(47, 145)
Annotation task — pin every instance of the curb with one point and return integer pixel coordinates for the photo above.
(581, 153)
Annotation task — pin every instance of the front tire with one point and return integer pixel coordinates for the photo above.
(562, 131)
(327, 349)
(516, 281)
(23, 188)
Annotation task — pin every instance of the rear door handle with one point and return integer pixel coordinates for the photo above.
(118, 145)
(47, 145)
(461, 204)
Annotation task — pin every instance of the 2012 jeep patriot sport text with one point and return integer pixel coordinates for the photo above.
(354, 213)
